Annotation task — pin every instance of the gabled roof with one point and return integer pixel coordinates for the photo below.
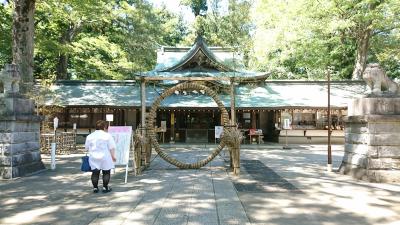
(199, 54)
(201, 60)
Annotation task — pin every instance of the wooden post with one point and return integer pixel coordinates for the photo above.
(253, 119)
(235, 150)
(145, 149)
(232, 93)
(143, 104)
(329, 166)
(172, 138)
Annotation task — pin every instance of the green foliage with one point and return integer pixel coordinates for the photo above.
(227, 29)
(5, 34)
(173, 28)
(293, 39)
(198, 7)
(101, 39)
(300, 39)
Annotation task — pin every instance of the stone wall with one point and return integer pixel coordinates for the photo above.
(372, 140)
(19, 148)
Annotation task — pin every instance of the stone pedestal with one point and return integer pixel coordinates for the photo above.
(19, 130)
(372, 139)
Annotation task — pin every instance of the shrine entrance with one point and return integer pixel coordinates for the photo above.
(188, 86)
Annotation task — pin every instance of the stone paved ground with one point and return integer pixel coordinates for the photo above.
(276, 187)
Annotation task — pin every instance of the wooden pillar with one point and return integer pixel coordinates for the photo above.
(143, 104)
(92, 113)
(66, 118)
(172, 138)
(329, 165)
(78, 111)
(146, 149)
(292, 114)
(232, 93)
(253, 119)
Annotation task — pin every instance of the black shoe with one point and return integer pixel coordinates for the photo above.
(95, 190)
(106, 190)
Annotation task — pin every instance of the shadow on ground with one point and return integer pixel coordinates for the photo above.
(164, 194)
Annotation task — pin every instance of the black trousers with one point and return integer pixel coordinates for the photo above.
(96, 175)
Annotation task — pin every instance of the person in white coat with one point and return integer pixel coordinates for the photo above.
(101, 147)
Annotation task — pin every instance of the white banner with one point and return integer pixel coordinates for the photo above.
(286, 124)
(218, 131)
(163, 125)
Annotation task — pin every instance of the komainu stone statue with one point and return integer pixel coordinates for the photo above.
(378, 81)
(372, 131)
(10, 78)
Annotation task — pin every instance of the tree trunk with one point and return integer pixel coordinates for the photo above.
(362, 54)
(23, 40)
(62, 65)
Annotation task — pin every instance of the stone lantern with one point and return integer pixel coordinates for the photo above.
(19, 128)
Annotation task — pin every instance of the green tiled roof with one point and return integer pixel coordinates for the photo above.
(271, 94)
(171, 58)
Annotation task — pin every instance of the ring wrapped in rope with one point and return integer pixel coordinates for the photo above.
(153, 113)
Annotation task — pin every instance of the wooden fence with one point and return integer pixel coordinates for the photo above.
(65, 142)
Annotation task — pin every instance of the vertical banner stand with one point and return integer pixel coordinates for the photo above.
(54, 145)
(286, 126)
(53, 156)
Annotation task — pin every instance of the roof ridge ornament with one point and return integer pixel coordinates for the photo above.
(199, 39)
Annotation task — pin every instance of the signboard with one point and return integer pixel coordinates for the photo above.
(55, 120)
(218, 131)
(109, 117)
(122, 136)
(163, 125)
(286, 124)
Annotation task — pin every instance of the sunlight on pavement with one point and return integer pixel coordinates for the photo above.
(30, 215)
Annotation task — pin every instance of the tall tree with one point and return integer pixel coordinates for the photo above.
(59, 24)
(23, 40)
(173, 28)
(5, 34)
(225, 26)
(101, 39)
(365, 20)
(301, 38)
(198, 7)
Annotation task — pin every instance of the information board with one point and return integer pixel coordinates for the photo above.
(218, 131)
(123, 139)
(122, 136)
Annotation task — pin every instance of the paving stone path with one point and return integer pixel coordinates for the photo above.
(275, 187)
